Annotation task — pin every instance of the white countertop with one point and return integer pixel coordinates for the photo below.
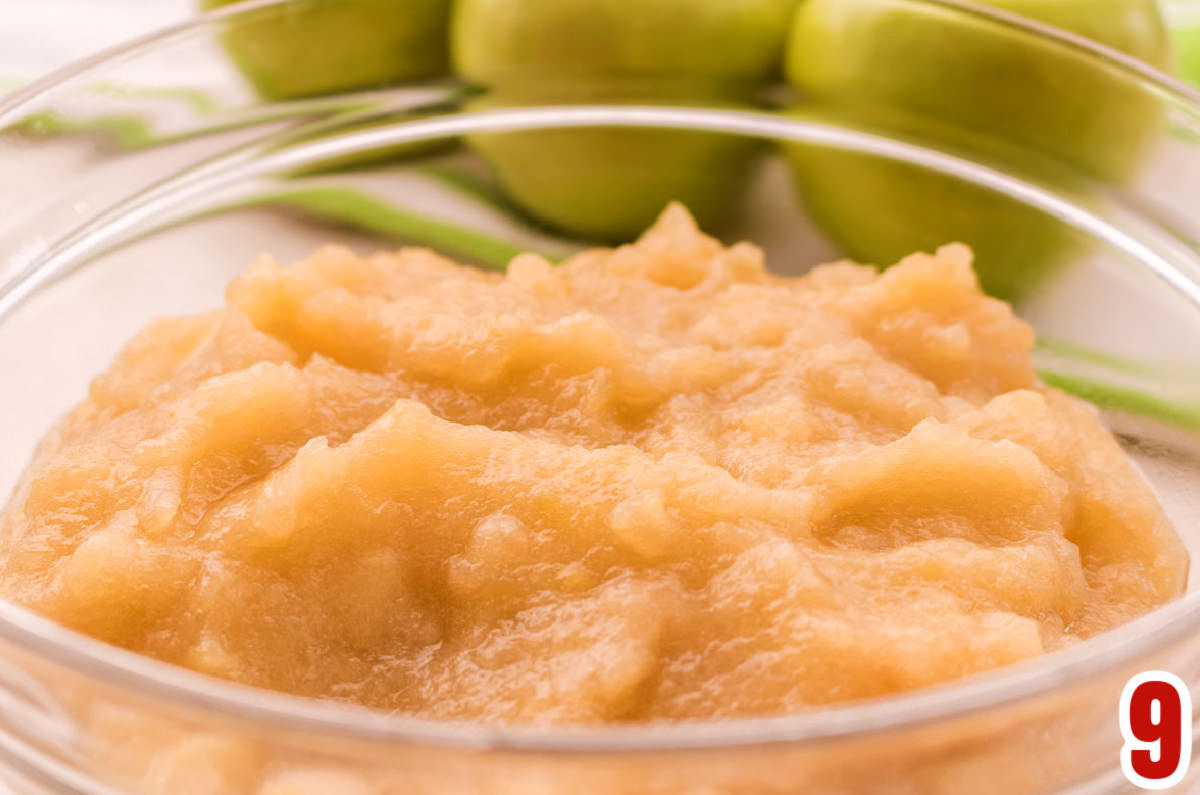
(37, 36)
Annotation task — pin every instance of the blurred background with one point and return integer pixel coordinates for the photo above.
(39, 35)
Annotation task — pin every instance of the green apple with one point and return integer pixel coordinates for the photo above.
(915, 71)
(945, 65)
(609, 184)
(525, 43)
(1187, 44)
(325, 46)
(878, 211)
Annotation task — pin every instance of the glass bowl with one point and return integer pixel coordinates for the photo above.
(139, 181)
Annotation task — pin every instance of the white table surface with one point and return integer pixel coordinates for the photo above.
(37, 36)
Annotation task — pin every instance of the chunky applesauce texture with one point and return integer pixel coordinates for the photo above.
(652, 483)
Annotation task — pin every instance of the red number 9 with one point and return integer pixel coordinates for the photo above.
(1156, 722)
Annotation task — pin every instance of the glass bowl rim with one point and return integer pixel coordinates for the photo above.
(114, 667)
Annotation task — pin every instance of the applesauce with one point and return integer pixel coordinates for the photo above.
(653, 483)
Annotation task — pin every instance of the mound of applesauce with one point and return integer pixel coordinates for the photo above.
(654, 483)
